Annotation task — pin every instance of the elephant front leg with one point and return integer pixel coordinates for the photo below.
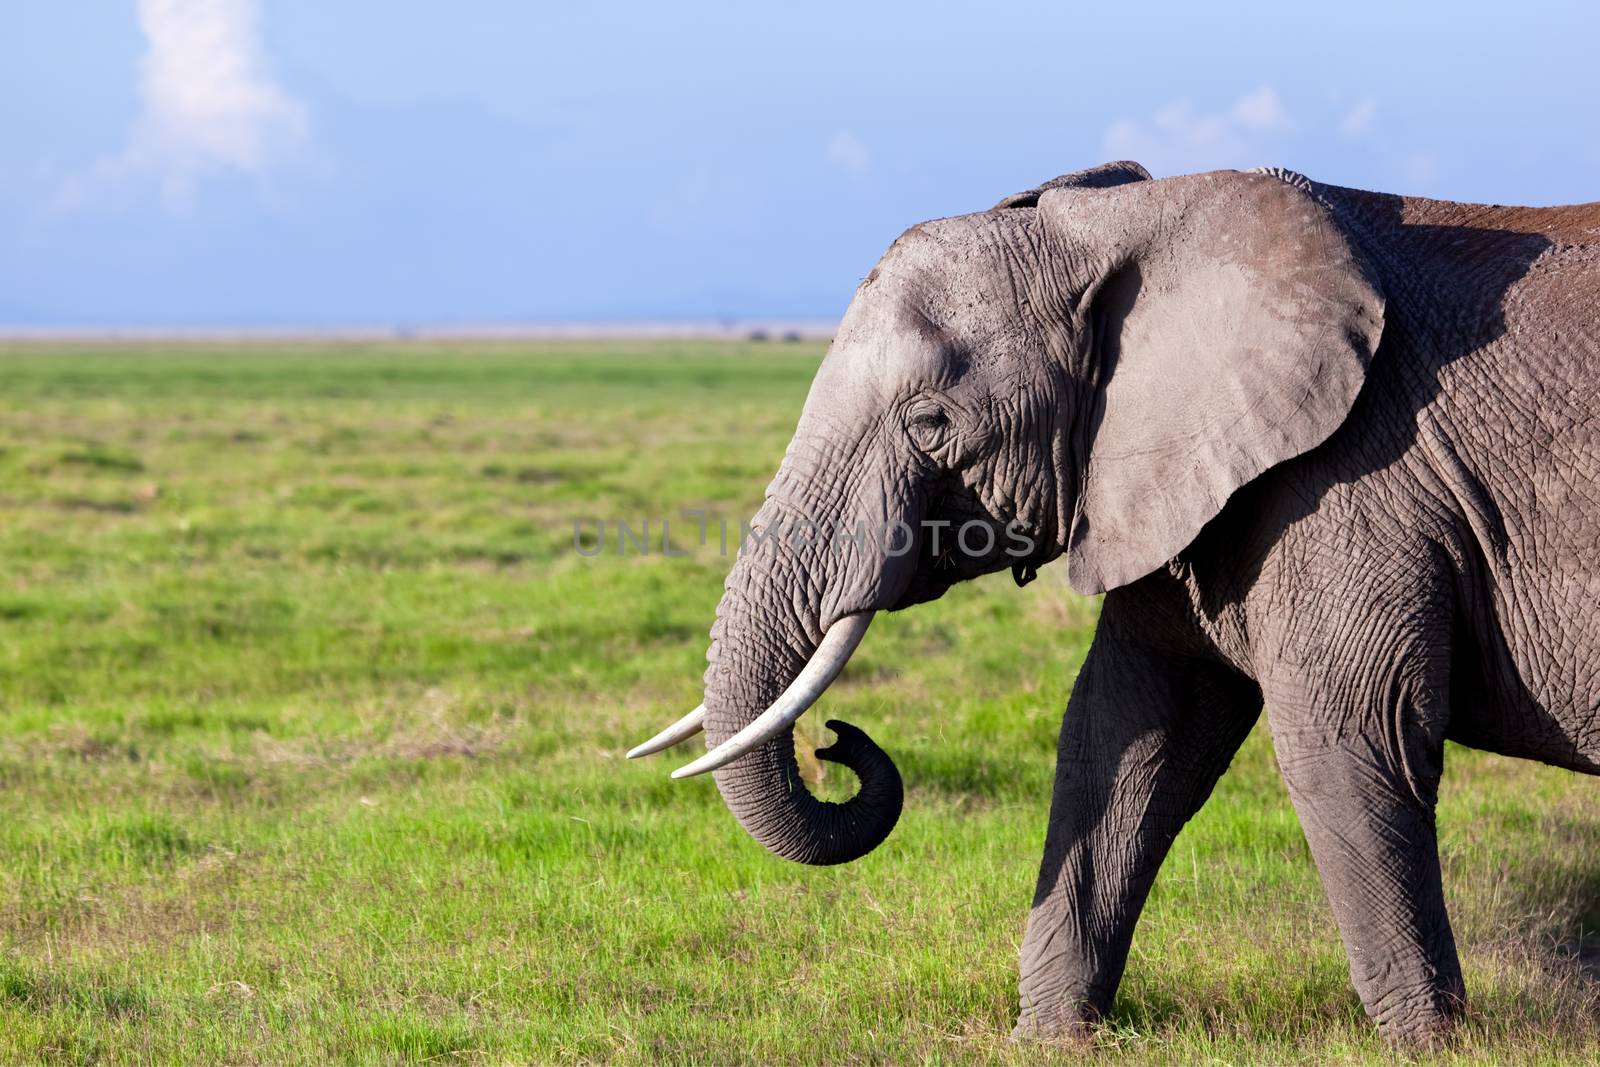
(1363, 775)
(1146, 736)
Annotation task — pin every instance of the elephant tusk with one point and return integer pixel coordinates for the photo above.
(681, 730)
(825, 664)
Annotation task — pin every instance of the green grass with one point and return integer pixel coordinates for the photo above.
(311, 726)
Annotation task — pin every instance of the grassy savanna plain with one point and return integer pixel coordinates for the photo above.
(311, 735)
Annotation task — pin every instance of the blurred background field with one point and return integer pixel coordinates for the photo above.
(311, 735)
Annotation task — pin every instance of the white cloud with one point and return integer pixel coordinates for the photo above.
(208, 106)
(1261, 110)
(847, 153)
(1359, 120)
(1178, 139)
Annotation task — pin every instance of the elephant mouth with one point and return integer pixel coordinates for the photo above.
(962, 540)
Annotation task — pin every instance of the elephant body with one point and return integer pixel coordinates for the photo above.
(1431, 571)
(1329, 451)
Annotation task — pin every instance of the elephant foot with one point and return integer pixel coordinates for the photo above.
(1072, 1028)
(1431, 1031)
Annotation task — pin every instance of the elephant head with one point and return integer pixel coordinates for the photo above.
(1089, 369)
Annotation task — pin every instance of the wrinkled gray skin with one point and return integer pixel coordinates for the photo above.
(1331, 451)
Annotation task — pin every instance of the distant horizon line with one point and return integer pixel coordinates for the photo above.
(576, 330)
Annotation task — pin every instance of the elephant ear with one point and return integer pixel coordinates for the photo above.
(1232, 325)
(1104, 176)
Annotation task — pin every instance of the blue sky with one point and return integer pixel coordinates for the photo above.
(307, 162)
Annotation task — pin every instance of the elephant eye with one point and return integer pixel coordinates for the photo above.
(927, 427)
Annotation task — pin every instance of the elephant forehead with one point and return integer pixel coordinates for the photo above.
(944, 298)
(891, 347)
(961, 272)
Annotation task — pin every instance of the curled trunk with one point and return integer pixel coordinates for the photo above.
(758, 648)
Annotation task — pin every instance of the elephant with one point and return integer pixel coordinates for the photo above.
(1326, 452)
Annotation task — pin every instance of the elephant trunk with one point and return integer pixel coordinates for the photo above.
(759, 647)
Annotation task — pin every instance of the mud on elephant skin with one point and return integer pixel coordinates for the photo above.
(1324, 450)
